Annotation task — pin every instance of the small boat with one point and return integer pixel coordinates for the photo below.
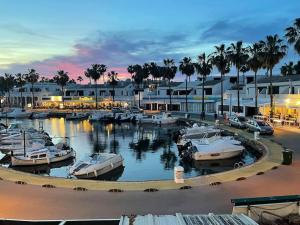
(77, 116)
(213, 148)
(100, 115)
(146, 119)
(43, 156)
(18, 113)
(123, 117)
(164, 118)
(135, 117)
(99, 164)
(40, 115)
(197, 131)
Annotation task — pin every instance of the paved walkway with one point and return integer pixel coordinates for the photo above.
(35, 202)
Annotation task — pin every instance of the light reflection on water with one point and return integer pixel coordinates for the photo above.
(149, 152)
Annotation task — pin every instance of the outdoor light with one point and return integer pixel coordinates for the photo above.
(287, 100)
(29, 105)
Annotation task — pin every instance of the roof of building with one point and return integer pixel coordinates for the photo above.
(278, 79)
(180, 219)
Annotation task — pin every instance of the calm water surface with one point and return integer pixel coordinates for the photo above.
(149, 152)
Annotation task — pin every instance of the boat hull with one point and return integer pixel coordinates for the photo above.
(100, 171)
(15, 161)
(216, 155)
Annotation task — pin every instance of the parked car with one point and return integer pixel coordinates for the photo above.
(260, 125)
(237, 121)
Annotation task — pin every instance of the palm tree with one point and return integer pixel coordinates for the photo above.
(130, 69)
(255, 64)
(293, 35)
(297, 68)
(20, 81)
(204, 68)
(79, 79)
(244, 69)
(95, 73)
(140, 74)
(186, 67)
(169, 71)
(287, 69)
(9, 82)
(273, 50)
(221, 61)
(238, 57)
(32, 77)
(154, 71)
(62, 78)
(113, 81)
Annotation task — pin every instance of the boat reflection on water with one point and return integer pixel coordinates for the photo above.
(44, 169)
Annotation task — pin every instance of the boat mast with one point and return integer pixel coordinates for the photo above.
(24, 143)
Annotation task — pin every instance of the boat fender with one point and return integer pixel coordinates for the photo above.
(112, 165)
(48, 160)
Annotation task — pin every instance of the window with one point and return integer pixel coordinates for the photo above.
(233, 80)
(275, 90)
(42, 155)
(208, 91)
(235, 109)
(225, 108)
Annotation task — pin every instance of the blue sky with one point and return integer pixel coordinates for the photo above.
(72, 34)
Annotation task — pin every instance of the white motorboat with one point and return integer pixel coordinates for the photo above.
(123, 117)
(146, 119)
(135, 117)
(77, 116)
(40, 115)
(43, 156)
(213, 148)
(197, 131)
(18, 113)
(13, 128)
(99, 164)
(100, 115)
(159, 119)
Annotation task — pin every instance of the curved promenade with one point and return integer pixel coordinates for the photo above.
(35, 202)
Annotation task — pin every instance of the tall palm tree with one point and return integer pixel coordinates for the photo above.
(32, 77)
(293, 35)
(287, 69)
(255, 64)
(154, 70)
(20, 81)
(9, 84)
(203, 68)
(221, 60)
(273, 50)
(238, 57)
(169, 71)
(95, 72)
(79, 79)
(113, 81)
(61, 78)
(140, 74)
(186, 67)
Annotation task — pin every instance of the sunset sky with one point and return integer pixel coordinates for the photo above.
(50, 35)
